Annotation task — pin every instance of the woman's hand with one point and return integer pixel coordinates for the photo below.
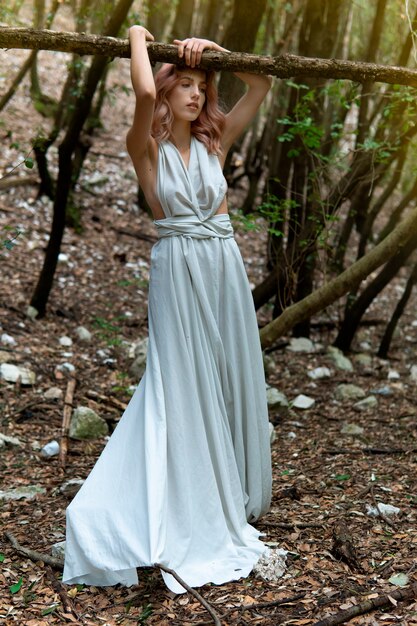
(192, 49)
(133, 30)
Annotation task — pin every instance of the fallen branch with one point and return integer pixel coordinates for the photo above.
(193, 592)
(369, 605)
(66, 418)
(287, 526)
(283, 66)
(17, 181)
(33, 555)
(114, 402)
(335, 451)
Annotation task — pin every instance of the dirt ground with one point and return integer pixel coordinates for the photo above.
(324, 478)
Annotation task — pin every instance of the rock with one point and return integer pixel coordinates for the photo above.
(71, 487)
(63, 258)
(364, 360)
(365, 345)
(11, 373)
(6, 440)
(272, 564)
(413, 373)
(4, 356)
(50, 449)
(393, 375)
(86, 424)
(269, 364)
(303, 402)
(8, 340)
(352, 429)
(339, 359)
(140, 349)
(349, 392)
(83, 334)
(65, 341)
(53, 393)
(22, 493)
(301, 344)
(370, 402)
(272, 434)
(385, 509)
(383, 391)
(276, 399)
(65, 367)
(31, 312)
(58, 550)
(319, 372)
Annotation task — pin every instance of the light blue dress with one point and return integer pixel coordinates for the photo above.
(188, 465)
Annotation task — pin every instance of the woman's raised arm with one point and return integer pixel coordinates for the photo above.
(144, 88)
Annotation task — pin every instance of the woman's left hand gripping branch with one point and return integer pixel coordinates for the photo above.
(192, 49)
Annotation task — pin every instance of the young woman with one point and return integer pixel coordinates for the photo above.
(188, 466)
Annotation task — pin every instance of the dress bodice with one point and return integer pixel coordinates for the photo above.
(197, 190)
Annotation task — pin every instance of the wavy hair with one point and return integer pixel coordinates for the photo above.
(209, 125)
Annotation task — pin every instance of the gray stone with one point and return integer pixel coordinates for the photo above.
(339, 359)
(272, 434)
(303, 402)
(352, 429)
(271, 565)
(139, 350)
(4, 356)
(364, 360)
(50, 449)
(5, 440)
(367, 403)
(58, 550)
(65, 341)
(22, 493)
(86, 424)
(83, 334)
(53, 393)
(413, 373)
(71, 487)
(65, 367)
(11, 373)
(349, 392)
(31, 312)
(301, 344)
(393, 375)
(276, 399)
(319, 372)
(8, 340)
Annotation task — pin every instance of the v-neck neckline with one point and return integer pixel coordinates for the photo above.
(186, 166)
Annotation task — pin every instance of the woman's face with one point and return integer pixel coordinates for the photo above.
(189, 94)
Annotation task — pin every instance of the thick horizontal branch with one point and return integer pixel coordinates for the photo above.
(283, 66)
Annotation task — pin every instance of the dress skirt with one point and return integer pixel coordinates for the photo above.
(188, 466)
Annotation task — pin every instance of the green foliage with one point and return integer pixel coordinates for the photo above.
(16, 587)
(110, 332)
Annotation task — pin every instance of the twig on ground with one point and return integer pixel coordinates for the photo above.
(369, 605)
(335, 451)
(66, 418)
(193, 592)
(33, 555)
(287, 526)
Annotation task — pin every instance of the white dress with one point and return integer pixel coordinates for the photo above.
(188, 465)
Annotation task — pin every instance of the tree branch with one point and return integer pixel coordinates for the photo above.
(282, 66)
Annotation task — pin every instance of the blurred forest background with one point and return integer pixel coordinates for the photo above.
(318, 183)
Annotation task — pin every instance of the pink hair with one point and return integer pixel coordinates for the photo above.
(209, 125)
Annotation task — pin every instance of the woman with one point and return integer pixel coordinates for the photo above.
(188, 465)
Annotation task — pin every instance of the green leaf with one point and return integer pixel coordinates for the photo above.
(2, 557)
(342, 476)
(29, 162)
(50, 609)
(16, 587)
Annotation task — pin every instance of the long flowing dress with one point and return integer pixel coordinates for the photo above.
(188, 465)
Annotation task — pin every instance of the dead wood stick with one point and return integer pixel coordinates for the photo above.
(193, 592)
(283, 66)
(17, 181)
(106, 399)
(287, 526)
(61, 591)
(137, 235)
(33, 555)
(334, 451)
(66, 418)
(369, 605)
(264, 605)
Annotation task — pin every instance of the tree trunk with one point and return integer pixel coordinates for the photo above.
(183, 20)
(342, 284)
(399, 310)
(65, 152)
(356, 310)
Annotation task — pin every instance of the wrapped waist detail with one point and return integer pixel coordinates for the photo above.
(192, 226)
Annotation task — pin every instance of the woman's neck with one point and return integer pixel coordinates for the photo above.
(181, 135)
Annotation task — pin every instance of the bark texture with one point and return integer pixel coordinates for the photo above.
(282, 66)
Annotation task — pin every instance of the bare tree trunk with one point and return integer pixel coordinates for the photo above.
(181, 27)
(65, 152)
(342, 284)
(399, 310)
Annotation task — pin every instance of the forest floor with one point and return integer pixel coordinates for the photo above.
(323, 478)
